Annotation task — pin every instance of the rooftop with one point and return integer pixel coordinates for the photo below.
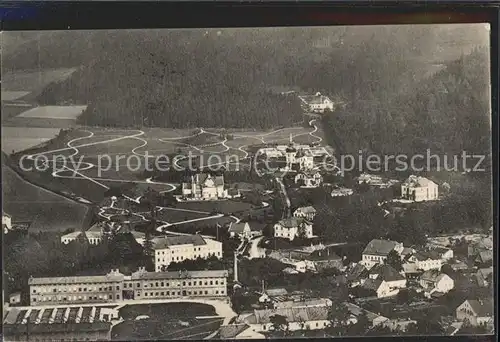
(110, 277)
(417, 181)
(167, 241)
(315, 99)
(380, 247)
(386, 272)
(326, 254)
(291, 314)
(292, 222)
(372, 284)
(482, 307)
(432, 276)
(306, 210)
(179, 275)
(238, 227)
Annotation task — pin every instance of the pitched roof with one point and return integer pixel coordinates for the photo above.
(306, 210)
(485, 256)
(326, 254)
(110, 277)
(15, 329)
(482, 307)
(179, 275)
(276, 292)
(72, 235)
(291, 222)
(292, 314)
(167, 241)
(200, 178)
(314, 99)
(417, 181)
(432, 276)
(232, 330)
(380, 247)
(356, 272)
(427, 255)
(372, 284)
(485, 272)
(238, 227)
(304, 303)
(386, 272)
(357, 310)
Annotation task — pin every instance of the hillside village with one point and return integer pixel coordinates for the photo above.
(289, 245)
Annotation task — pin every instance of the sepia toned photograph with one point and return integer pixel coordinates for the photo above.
(247, 183)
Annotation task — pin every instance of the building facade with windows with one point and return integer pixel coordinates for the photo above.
(157, 285)
(419, 189)
(184, 247)
(204, 186)
(80, 289)
(114, 287)
(293, 227)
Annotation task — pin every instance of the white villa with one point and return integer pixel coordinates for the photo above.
(476, 311)
(307, 213)
(419, 189)
(434, 281)
(309, 179)
(93, 235)
(204, 186)
(184, 247)
(292, 227)
(317, 103)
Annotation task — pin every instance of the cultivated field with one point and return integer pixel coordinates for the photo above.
(21, 138)
(54, 112)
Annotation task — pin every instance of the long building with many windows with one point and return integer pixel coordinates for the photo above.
(115, 287)
(184, 247)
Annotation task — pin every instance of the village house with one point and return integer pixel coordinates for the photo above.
(325, 259)
(94, 237)
(411, 271)
(241, 331)
(307, 213)
(379, 287)
(293, 227)
(184, 247)
(317, 103)
(387, 273)
(341, 192)
(301, 318)
(374, 180)
(433, 281)
(444, 254)
(476, 311)
(398, 324)
(302, 303)
(204, 186)
(475, 247)
(356, 274)
(309, 179)
(484, 258)
(427, 260)
(373, 318)
(241, 230)
(419, 189)
(377, 250)
(273, 295)
(484, 276)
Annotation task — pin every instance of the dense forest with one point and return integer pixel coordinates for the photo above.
(224, 78)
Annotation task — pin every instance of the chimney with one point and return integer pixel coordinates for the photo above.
(235, 275)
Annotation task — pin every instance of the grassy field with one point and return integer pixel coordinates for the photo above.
(224, 207)
(166, 321)
(47, 211)
(21, 138)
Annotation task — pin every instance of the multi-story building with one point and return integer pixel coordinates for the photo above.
(476, 311)
(433, 281)
(78, 289)
(114, 287)
(184, 247)
(305, 212)
(377, 250)
(317, 103)
(204, 186)
(293, 227)
(427, 260)
(309, 179)
(419, 189)
(156, 285)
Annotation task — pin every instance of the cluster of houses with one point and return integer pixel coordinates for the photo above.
(98, 231)
(8, 224)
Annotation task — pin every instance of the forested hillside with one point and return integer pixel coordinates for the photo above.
(221, 78)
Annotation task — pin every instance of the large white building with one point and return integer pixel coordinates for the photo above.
(115, 287)
(317, 103)
(307, 213)
(435, 281)
(419, 189)
(293, 227)
(6, 222)
(309, 179)
(184, 247)
(377, 250)
(204, 186)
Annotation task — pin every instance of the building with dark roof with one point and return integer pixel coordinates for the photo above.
(377, 250)
(59, 324)
(178, 248)
(293, 227)
(476, 311)
(317, 103)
